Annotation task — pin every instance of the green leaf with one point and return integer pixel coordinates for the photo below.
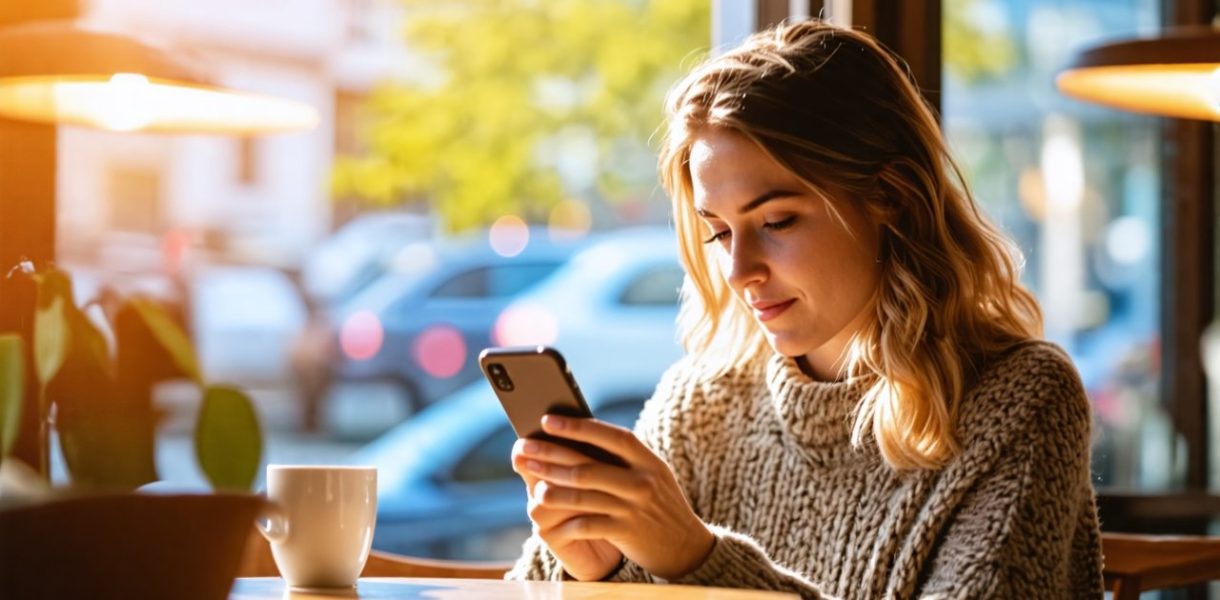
(106, 441)
(107, 434)
(12, 390)
(51, 331)
(228, 442)
(167, 334)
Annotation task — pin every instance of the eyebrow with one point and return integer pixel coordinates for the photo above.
(753, 204)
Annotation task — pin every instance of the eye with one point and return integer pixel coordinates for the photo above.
(781, 224)
(719, 236)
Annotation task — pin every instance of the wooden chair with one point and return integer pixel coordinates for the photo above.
(257, 562)
(1136, 563)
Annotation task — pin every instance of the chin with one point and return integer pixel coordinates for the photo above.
(787, 344)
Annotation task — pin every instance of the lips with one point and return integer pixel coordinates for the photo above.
(765, 310)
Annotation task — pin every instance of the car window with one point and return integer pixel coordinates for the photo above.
(471, 283)
(499, 281)
(655, 287)
(489, 460)
(512, 279)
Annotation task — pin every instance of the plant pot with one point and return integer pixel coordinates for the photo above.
(125, 545)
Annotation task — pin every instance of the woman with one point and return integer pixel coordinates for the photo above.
(864, 410)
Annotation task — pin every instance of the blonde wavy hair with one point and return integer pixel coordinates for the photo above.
(842, 113)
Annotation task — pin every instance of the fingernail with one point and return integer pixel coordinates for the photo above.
(531, 447)
(533, 465)
(555, 422)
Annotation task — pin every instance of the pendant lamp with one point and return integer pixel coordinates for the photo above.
(59, 72)
(1175, 75)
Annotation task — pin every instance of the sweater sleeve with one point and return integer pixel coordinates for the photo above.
(655, 427)
(737, 561)
(1028, 528)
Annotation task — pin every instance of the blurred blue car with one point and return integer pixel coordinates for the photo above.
(358, 252)
(413, 335)
(610, 310)
(446, 488)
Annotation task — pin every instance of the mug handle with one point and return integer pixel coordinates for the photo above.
(272, 522)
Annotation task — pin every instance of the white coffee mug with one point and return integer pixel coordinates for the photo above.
(320, 522)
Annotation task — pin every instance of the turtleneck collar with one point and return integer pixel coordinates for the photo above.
(813, 414)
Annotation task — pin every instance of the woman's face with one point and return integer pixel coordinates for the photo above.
(806, 277)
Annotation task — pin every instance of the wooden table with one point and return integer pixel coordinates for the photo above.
(407, 588)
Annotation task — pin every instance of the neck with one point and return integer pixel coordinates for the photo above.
(823, 368)
(828, 362)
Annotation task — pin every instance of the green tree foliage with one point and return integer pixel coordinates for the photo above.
(978, 44)
(513, 80)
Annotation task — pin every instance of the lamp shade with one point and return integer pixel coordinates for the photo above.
(59, 72)
(1175, 75)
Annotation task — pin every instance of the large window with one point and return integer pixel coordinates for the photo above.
(348, 281)
(1078, 187)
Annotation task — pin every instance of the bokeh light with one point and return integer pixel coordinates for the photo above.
(416, 258)
(440, 351)
(525, 325)
(569, 220)
(1128, 240)
(361, 336)
(509, 236)
(174, 245)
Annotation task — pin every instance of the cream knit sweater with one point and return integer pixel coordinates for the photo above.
(765, 459)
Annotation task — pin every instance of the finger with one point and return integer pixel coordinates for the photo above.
(549, 452)
(545, 517)
(617, 440)
(578, 528)
(593, 475)
(518, 465)
(557, 498)
(530, 483)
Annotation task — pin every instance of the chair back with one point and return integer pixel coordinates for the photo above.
(1135, 563)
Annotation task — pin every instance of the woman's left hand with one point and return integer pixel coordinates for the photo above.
(640, 508)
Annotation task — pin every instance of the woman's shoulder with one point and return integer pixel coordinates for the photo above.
(1031, 363)
(1035, 359)
(696, 384)
(696, 374)
(1033, 377)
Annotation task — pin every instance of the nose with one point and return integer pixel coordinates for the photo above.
(746, 264)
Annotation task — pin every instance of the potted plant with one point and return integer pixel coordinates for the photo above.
(96, 392)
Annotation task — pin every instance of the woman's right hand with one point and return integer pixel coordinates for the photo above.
(584, 560)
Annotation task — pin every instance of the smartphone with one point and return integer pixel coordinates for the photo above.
(532, 381)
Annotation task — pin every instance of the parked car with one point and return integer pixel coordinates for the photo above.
(244, 320)
(358, 253)
(414, 335)
(446, 489)
(610, 310)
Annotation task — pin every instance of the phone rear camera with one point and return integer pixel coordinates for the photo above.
(499, 376)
